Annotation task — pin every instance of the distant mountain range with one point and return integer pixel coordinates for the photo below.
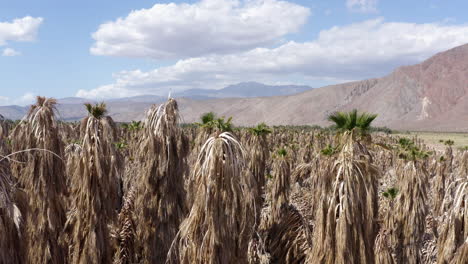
(430, 96)
(71, 108)
(244, 89)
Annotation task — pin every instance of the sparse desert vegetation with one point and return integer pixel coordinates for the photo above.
(157, 191)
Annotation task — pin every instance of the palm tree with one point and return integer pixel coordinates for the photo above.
(95, 181)
(41, 175)
(211, 122)
(134, 125)
(160, 199)
(208, 117)
(347, 121)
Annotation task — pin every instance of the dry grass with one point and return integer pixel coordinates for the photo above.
(432, 139)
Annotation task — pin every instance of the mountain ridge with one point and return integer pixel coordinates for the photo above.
(430, 96)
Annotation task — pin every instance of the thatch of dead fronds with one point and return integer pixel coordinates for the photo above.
(3, 127)
(337, 236)
(281, 187)
(383, 248)
(125, 231)
(221, 220)
(160, 200)
(42, 176)
(257, 164)
(285, 241)
(95, 192)
(10, 217)
(408, 221)
(453, 241)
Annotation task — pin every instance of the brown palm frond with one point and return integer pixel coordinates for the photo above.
(281, 187)
(125, 231)
(41, 174)
(337, 238)
(160, 200)
(221, 219)
(258, 158)
(95, 193)
(288, 239)
(453, 239)
(408, 221)
(10, 217)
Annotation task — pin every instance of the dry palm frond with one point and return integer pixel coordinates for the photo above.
(408, 221)
(257, 253)
(221, 220)
(337, 236)
(463, 166)
(72, 155)
(96, 193)
(160, 200)
(10, 217)
(383, 251)
(453, 239)
(42, 176)
(281, 188)
(258, 158)
(461, 257)
(439, 186)
(287, 240)
(3, 127)
(125, 231)
(303, 172)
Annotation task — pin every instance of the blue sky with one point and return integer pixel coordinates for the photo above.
(81, 48)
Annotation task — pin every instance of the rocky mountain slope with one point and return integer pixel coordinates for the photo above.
(432, 95)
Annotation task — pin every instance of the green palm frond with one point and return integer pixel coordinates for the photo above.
(346, 121)
(211, 121)
(260, 129)
(97, 110)
(208, 117)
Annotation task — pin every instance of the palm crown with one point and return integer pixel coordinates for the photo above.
(347, 121)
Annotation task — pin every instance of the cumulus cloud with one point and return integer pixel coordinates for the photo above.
(9, 52)
(26, 99)
(364, 6)
(20, 29)
(357, 51)
(168, 31)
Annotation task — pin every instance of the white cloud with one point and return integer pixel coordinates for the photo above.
(357, 51)
(364, 6)
(168, 31)
(26, 99)
(20, 29)
(9, 52)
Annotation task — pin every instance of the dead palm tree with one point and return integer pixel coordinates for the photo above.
(258, 157)
(337, 237)
(407, 222)
(161, 198)
(10, 215)
(281, 187)
(453, 241)
(42, 177)
(96, 192)
(221, 220)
